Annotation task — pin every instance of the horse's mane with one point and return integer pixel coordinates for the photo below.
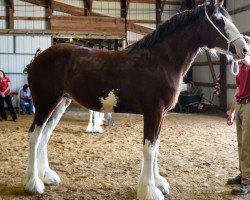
(167, 28)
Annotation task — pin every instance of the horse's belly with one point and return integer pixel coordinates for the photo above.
(108, 103)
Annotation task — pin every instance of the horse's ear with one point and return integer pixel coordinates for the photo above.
(217, 3)
(220, 3)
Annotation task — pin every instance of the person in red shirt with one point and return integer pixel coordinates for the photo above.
(5, 97)
(241, 107)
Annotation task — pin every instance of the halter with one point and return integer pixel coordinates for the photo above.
(234, 62)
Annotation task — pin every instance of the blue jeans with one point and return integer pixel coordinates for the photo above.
(23, 107)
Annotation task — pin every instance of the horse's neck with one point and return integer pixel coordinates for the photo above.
(181, 48)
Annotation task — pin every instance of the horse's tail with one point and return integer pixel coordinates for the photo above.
(26, 69)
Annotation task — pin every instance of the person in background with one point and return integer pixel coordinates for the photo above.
(241, 107)
(5, 97)
(25, 97)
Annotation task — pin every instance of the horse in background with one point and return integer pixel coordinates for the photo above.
(96, 120)
(143, 79)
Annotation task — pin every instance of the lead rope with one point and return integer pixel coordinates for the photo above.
(235, 64)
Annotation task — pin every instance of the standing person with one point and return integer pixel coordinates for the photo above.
(241, 104)
(5, 97)
(25, 97)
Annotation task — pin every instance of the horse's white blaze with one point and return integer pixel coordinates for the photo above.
(233, 35)
(230, 28)
(147, 189)
(109, 102)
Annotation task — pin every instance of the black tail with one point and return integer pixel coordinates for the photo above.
(26, 69)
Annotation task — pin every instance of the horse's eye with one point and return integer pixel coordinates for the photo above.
(221, 22)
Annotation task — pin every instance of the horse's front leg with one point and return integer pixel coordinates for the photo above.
(160, 182)
(150, 179)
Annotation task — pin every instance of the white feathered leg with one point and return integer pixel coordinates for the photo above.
(146, 187)
(101, 118)
(160, 182)
(97, 126)
(33, 184)
(110, 120)
(45, 173)
(90, 124)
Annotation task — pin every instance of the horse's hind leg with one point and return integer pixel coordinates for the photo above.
(33, 183)
(110, 120)
(45, 173)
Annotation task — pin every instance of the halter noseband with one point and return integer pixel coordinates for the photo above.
(229, 42)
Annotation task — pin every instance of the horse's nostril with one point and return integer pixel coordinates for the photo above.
(244, 51)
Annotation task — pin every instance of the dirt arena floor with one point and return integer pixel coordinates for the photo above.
(198, 152)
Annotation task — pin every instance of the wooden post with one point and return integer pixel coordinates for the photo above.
(50, 12)
(124, 15)
(116, 45)
(11, 15)
(223, 82)
(211, 67)
(158, 11)
(109, 45)
(223, 78)
(87, 7)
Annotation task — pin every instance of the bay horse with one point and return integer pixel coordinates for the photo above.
(144, 79)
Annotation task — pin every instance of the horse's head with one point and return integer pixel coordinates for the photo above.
(223, 35)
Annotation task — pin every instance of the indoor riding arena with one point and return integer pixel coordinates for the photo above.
(156, 133)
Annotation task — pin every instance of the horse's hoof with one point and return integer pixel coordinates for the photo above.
(149, 193)
(164, 191)
(163, 185)
(89, 130)
(51, 177)
(99, 130)
(34, 186)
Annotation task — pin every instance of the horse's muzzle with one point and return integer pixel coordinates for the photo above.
(239, 49)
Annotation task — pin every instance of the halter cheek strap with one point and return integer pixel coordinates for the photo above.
(229, 42)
